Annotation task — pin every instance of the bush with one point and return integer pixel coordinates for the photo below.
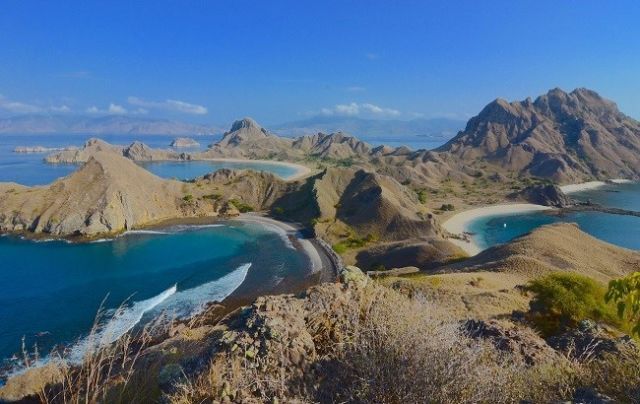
(447, 207)
(422, 195)
(241, 206)
(188, 198)
(564, 299)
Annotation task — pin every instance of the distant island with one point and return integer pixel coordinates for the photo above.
(184, 142)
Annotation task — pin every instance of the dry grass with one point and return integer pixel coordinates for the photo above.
(106, 370)
(387, 349)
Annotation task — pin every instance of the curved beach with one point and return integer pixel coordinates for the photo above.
(301, 171)
(584, 186)
(459, 223)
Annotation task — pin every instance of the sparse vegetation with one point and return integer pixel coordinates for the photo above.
(241, 206)
(564, 299)
(447, 207)
(353, 242)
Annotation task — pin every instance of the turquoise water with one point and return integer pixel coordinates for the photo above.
(30, 169)
(616, 229)
(186, 170)
(623, 196)
(50, 291)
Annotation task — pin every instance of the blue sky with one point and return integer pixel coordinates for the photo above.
(214, 61)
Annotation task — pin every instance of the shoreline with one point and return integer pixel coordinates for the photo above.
(301, 170)
(458, 224)
(287, 229)
(584, 186)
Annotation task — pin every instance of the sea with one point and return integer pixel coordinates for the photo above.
(620, 230)
(51, 291)
(30, 168)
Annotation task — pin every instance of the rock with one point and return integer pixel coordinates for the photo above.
(511, 338)
(184, 142)
(169, 374)
(352, 274)
(587, 395)
(590, 341)
(547, 195)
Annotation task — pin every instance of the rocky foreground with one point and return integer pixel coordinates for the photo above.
(462, 333)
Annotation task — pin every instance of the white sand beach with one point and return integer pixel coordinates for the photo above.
(286, 229)
(584, 186)
(459, 223)
(301, 171)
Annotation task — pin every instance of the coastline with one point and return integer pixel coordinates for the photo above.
(458, 224)
(584, 186)
(301, 171)
(287, 229)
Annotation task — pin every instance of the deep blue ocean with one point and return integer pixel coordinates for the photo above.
(616, 229)
(50, 291)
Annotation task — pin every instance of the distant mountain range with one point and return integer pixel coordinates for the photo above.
(436, 127)
(111, 124)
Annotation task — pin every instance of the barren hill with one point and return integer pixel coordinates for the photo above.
(108, 194)
(567, 137)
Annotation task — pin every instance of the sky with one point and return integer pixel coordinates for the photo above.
(277, 61)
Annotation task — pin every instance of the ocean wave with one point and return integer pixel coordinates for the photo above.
(284, 234)
(123, 321)
(189, 302)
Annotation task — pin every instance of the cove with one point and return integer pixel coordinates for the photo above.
(50, 291)
(620, 230)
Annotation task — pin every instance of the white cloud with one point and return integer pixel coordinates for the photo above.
(18, 107)
(61, 108)
(169, 105)
(116, 109)
(112, 109)
(355, 109)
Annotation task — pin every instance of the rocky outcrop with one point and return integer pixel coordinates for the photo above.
(591, 341)
(543, 194)
(566, 137)
(333, 146)
(184, 142)
(511, 338)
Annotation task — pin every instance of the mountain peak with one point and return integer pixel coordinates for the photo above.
(245, 123)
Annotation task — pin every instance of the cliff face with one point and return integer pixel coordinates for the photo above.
(567, 137)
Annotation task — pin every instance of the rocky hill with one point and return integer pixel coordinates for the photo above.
(136, 151)
(567, 137)
(107, 195)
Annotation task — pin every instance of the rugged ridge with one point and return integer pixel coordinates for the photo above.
(566, 137)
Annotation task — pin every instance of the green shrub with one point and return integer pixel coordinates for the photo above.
(214, 197)
(241, 206)
(278, 210)
(422, 195)
(564, 299)
(447, 207)
(187, 198)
